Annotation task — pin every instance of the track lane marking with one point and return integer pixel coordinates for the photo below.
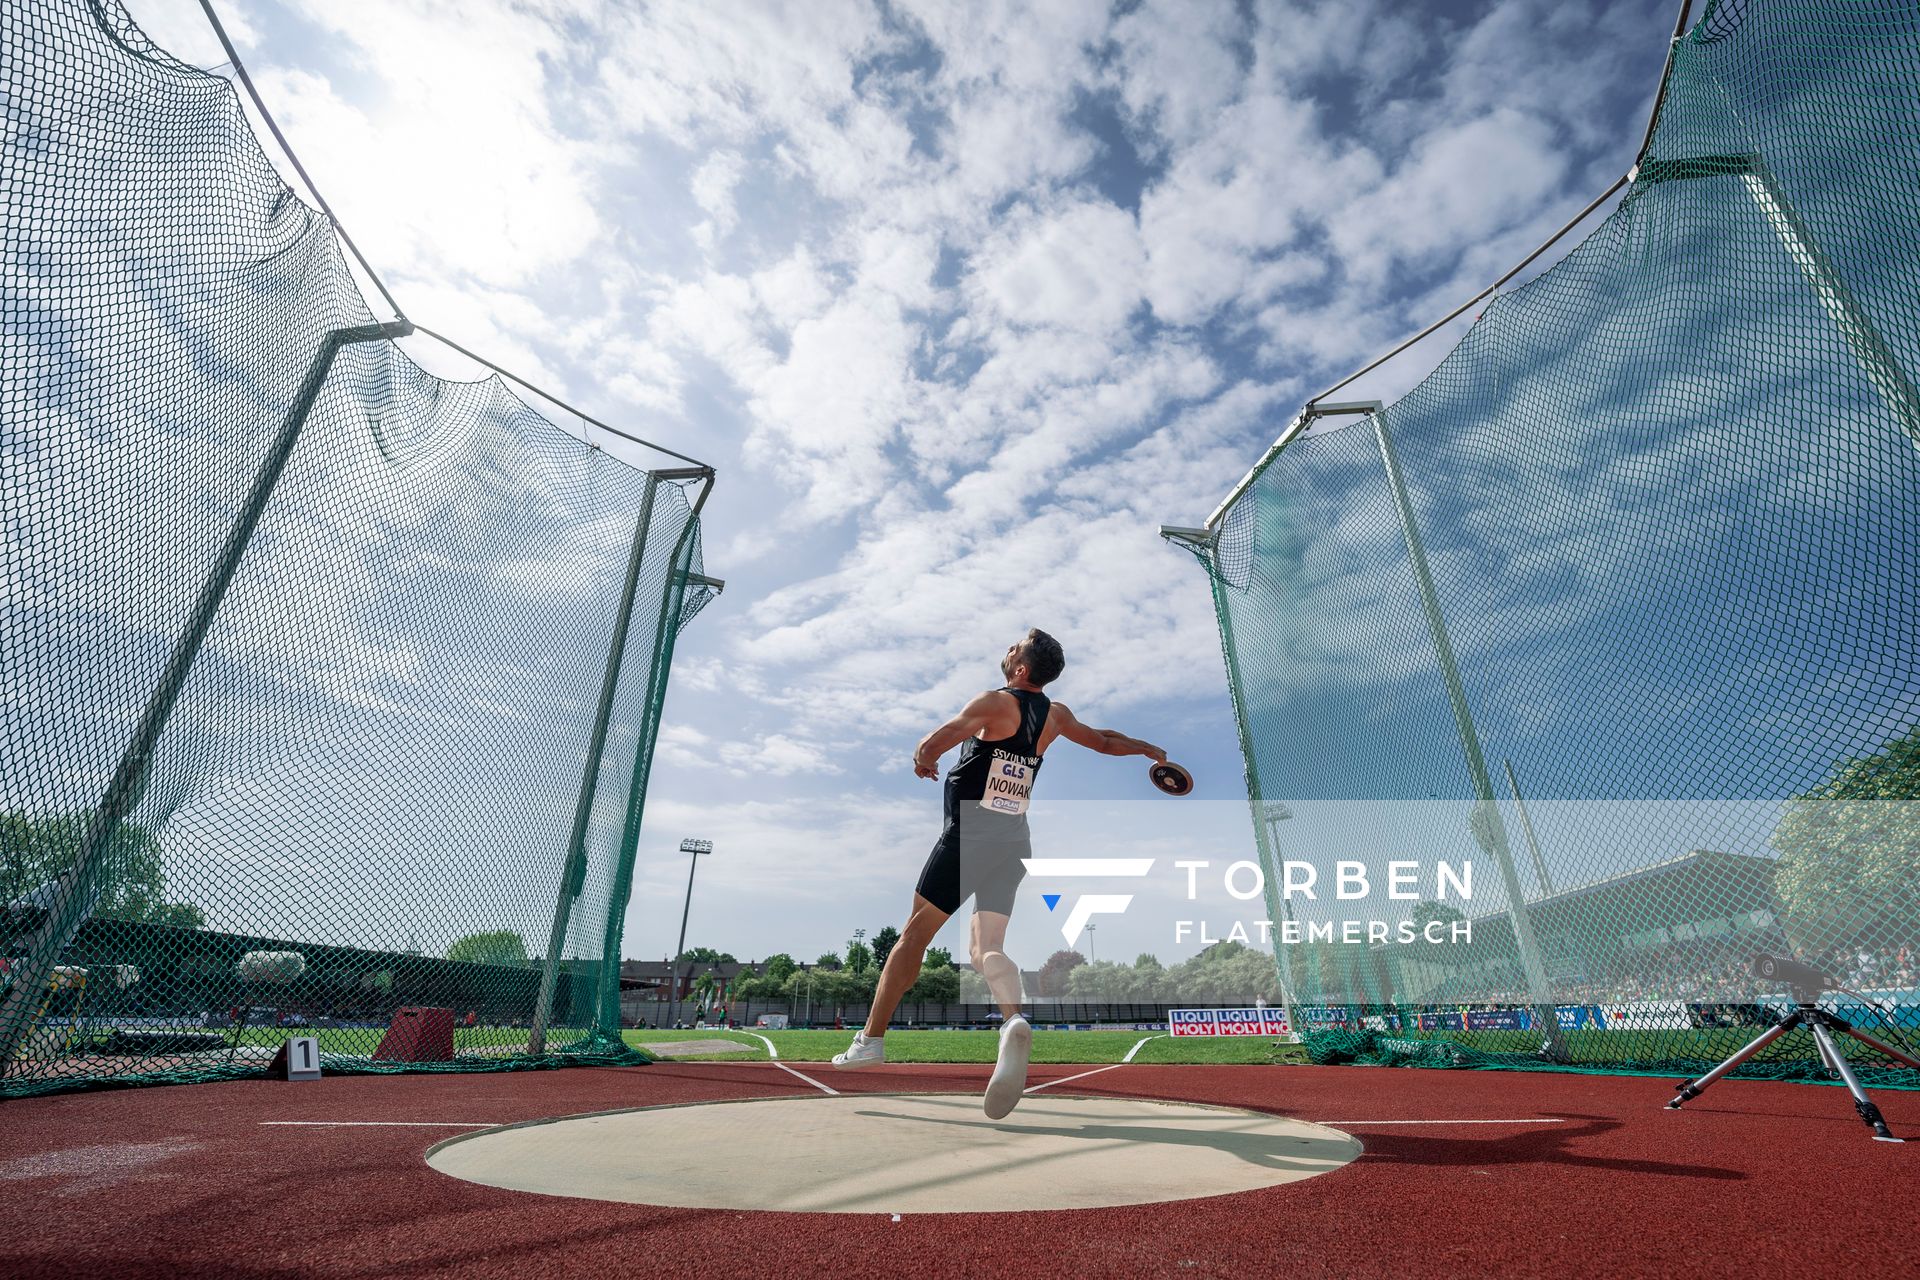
(1048, 1084)
(1528, 1120)
(809, 1079)
(389, 1124)
(1136, 1048)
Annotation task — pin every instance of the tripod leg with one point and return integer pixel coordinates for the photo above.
(1694, 1088)
(1883, 1047)
(1861, 1102)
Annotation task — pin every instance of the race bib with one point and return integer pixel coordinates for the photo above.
(1009, 783)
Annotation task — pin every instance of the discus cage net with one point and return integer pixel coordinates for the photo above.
(332, 686)
(1621, 602)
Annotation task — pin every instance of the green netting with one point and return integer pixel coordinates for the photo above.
(362, 795)
(1638, 632)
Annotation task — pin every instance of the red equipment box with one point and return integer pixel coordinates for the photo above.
(418, 1034)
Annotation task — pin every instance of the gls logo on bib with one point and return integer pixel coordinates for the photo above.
(1009, 783)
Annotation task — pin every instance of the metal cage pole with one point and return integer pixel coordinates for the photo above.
(1268, 863)
(573, 874)
(1869, 349)
(1488, 826)
(1272, 814)
(666, 631)
(1526, 826)
(76, 891)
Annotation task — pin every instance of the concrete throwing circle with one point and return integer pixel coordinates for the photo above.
(899, 1153)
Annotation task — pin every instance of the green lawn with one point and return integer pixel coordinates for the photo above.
(363, 1040)
(1093, 1048)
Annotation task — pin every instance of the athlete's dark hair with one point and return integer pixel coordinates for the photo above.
(1044, 657)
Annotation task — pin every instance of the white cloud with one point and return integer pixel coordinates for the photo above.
(1461, 185)
(1075, 267)
(1178, 65)
(712, 187)
(779, 756)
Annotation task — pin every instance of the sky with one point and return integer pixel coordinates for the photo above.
(963, 302)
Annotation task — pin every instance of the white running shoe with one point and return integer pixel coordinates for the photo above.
(1010, 1071)
(863, 1052)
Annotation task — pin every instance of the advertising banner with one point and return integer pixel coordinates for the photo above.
(1329, 1015)
(1227, 1022)
(1646, 1015)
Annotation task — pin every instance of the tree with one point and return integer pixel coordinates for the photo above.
(705, 955)
(779, 967)
(177, 915)
(829, 960)
(1850, 848)
(35, 852)
(859, 957)
(936, 984)
(973, 989)
(939, 981)
(1227, 972)
(501, 947)
(883, 945)
(1052, 978)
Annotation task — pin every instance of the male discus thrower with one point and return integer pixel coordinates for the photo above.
(1806, 983)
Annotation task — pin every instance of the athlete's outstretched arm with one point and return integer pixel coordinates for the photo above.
(1108, 742)
(972, 718)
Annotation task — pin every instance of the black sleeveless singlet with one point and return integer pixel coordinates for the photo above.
(1007, 767)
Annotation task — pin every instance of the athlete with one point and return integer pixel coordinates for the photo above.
(1002, 735)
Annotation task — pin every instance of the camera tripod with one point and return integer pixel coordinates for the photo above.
(1821, 1024)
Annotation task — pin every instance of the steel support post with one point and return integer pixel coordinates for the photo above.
(1488, 827)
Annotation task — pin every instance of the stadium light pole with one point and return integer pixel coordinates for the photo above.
(696, 848)
(1870, 350)
(1487, 825)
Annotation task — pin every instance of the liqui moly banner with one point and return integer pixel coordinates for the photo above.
(1227, 1022)
(1646, 1015)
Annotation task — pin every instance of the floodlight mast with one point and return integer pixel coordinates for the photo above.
(697, 848)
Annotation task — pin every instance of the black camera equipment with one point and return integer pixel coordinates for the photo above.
(1806, 983)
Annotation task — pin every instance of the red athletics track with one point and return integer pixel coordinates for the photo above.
(1752, 1177)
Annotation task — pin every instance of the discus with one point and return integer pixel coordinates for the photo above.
(1170, 778)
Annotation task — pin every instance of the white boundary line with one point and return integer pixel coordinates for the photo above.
(1528, 1120)
(1129, 1058)
(389, 1124)
(772, 1052)
(1048, 1084)
(809, 1079)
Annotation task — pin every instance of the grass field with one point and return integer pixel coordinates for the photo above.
(1091, 1047)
